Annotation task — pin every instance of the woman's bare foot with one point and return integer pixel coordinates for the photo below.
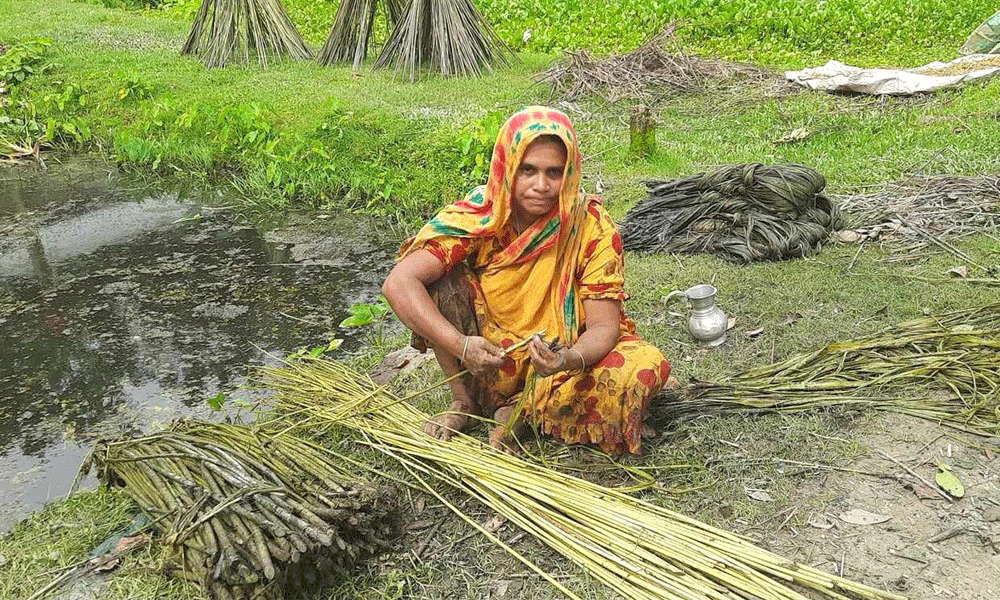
(444, 425)
(671, 384)
(506, 442)
(648, 432)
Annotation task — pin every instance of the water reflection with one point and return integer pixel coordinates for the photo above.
(118, 315)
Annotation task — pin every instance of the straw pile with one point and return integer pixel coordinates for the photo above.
(742, 213)
(639, 550)
(945, 369)
(231, 30)
(657, 69)
(250, 515)
(448, 36)
(926, 211)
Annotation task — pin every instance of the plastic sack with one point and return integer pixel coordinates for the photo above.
(985, 39)
(835, 76)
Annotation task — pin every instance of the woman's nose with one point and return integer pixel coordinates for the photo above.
(542, 182)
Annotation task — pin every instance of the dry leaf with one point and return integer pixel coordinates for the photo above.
(923, 492)
(821, 522)
(857, 516)
(796, 135)
(791, 318)
(103, 564)
(730, 323)
(494, 523)
(418, 505)
(958, 271)
(847, 236)
(759, 495)
(755, 332)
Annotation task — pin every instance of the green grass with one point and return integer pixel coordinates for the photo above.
(47, 544)
(304, 135)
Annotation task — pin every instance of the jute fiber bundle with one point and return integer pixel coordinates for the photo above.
(743, 213)
(943, 368)
(251, 514)
(636, 548)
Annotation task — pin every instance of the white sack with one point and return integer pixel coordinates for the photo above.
(836, 76)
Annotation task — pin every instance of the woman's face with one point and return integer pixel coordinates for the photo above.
(538, 180)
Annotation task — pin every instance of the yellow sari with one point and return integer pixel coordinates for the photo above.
(538, 280)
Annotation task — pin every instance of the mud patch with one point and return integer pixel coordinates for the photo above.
(929, 547)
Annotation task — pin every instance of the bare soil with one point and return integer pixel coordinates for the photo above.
(930, 546)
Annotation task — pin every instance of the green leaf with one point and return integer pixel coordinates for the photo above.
(216, 402)
(949, 482)
(361, 315)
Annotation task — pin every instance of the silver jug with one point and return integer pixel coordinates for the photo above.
(707, 324)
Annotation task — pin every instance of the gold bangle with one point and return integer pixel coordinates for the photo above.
(465, 347)
(583, 361)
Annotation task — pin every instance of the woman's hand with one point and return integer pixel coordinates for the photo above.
(546, 361)
(480, 356)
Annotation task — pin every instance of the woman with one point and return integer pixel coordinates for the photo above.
(529, 252)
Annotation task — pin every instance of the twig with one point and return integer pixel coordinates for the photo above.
(914, 473)
(947, 535)
(861, 247)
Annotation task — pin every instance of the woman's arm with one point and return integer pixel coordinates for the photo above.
(406, 290)
(603, 328)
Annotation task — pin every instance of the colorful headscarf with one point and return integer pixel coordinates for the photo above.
(544, 256)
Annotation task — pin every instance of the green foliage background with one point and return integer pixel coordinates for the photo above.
(111, 81)
(786, 32)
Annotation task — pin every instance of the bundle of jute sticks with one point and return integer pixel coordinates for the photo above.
(249, 513)
(638, 549)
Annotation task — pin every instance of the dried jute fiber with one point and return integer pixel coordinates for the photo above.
(743, 213)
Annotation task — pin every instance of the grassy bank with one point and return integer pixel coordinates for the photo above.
(111, 81)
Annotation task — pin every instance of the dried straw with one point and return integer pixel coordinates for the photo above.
(448, 36)
(638, 549)
(945, 369)
(351, 34)
(231, 30)
(925, 211)
(657, 69)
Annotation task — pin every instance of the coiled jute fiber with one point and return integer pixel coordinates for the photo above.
(743, 213)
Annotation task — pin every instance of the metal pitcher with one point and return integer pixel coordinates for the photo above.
(707, 324)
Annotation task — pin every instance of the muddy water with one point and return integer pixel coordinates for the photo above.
(123, 308)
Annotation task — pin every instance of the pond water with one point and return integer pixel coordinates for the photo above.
(123, 308)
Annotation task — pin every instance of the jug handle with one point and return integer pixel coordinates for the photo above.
(671, 295)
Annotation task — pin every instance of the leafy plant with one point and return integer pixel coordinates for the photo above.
(132, 88)
(316, 351)
(364, 314)
(477, 144)
(23, 60)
